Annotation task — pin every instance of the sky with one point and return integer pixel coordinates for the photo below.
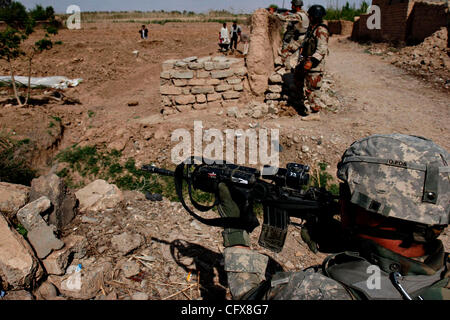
(236, 6)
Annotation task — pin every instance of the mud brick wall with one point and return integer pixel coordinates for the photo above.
(427, 18)
(341, 27)
(394, 19)
(199, 83)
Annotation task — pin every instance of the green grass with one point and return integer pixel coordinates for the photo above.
(91, 163)
(321, 178)
(91, 113)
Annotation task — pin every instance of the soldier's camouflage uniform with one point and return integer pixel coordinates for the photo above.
(347, 276)
(399, 176)
(312, 80)
(299, 23)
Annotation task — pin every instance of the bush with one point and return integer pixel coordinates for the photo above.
(347, 12)
(41, 14)
(14, 168)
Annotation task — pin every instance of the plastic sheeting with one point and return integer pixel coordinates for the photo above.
(56, 82)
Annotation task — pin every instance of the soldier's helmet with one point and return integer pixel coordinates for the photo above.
(298, 3)
(317, 12)
(399, 176)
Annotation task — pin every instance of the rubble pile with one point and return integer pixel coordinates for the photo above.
(430, 59)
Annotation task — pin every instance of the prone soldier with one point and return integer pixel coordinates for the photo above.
(394, 204)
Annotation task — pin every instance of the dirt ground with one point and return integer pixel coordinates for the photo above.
(376, 97)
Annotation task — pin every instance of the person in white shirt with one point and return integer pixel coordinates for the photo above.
(224, 39)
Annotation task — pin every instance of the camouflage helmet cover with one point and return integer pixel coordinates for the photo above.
(399, 176)
(298, 3)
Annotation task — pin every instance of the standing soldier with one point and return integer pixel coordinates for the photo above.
(296, 26)
(311, 62)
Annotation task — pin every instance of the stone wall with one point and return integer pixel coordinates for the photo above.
(199, 83)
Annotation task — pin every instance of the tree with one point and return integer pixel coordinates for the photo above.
(20, 24)
(4, 3)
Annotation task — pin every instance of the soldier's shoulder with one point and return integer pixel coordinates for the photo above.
(322, 30)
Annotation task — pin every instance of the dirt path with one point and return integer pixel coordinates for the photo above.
(381, 98)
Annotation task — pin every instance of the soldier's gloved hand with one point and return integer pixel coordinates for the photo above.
(228, 208)
(308, 65)
(306, 237)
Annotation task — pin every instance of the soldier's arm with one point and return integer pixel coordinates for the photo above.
(322, 46)
(245, 270)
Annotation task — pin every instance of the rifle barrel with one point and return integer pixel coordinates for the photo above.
(161, 171)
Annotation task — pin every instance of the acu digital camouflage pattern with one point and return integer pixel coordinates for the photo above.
(246, 268)
(346, 275)
(395, 188)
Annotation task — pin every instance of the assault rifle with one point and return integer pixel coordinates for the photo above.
(281, 191)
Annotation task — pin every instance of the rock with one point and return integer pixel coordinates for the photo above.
(182, 74)
(30, 215)
(273, 96)
(12, 197)
(195, 225)
(190, 59)
(222, 74)
(185, 99)
(240, 72)
(44, 241)
(213, 97)
(231, 95)
(84, 284)
(275, 89)
(98, 196)
(275, 78)
(125, 242)
(222, 65)
(223, 87)
(86, 219)
(133, 103)
(195, 65)
(232, 112)
(23, 269)
(202, 90)
(238, 87)
(130, 268)
(197, 82)
(165, 75)
(57, 262)
(234, 81)
(47, 291)
(170, 90)
(201, 98)
(18, 295)
(63, 200)
(139, 296)
(184, 108)
(305, 149)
